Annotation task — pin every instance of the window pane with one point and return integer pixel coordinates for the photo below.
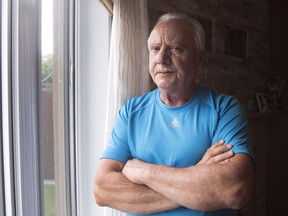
(53, 110)
(46, 110)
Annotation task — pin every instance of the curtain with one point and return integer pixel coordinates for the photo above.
(128, 61)
(108, 4)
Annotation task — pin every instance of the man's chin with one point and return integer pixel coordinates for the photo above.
(165, 86)
(164, 82)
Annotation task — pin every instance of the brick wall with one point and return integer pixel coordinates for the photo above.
(237, 76)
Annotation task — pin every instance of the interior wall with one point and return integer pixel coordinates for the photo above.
(277, 188)
(279, 43)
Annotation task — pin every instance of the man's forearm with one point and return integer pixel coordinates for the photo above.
(197, 187)
(116, 191)
(203, 187)
(219, 180)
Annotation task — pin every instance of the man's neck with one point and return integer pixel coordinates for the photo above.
(174, 99)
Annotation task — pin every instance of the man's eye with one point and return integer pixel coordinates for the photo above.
(177, 49)
(155, 49)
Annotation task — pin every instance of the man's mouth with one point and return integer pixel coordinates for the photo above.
(164, 72)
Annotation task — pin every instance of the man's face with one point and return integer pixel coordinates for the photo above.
(173, 57)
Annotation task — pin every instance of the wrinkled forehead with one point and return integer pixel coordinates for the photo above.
(173, 30)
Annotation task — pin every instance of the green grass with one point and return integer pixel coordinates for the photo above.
(49, 199)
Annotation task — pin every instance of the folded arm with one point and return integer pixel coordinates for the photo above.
(207, 186)
(114, 189)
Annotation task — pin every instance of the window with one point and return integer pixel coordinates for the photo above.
(235, 42)
(52, 122)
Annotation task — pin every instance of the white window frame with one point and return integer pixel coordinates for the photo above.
(20, 58)
(6, 107)
(2, 206)
(93, 25)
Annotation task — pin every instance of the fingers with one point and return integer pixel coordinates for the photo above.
(218, 148)
(217, 153)
(222, 158)
(134, 170)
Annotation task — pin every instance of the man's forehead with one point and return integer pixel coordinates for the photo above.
(174, 24)
(171, 31)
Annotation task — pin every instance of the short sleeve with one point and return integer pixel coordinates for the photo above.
(233, 126)
(117, 147)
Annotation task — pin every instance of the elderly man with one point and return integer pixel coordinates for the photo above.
(181, 149)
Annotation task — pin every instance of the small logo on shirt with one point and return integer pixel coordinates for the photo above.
(174, 123)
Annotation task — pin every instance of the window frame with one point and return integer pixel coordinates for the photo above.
(92, 37)
(25, 67)
(6, 105)
(20, 84)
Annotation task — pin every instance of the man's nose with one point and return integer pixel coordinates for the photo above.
(163, 56)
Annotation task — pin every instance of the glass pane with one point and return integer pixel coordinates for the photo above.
(52, 109)
(46, 110)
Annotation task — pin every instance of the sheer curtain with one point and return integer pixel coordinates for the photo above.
(128, 63)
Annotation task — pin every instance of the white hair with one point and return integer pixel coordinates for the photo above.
(199, 36)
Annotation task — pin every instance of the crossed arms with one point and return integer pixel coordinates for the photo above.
(220, 180)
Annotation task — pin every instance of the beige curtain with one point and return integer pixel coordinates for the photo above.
(108, 4)
(128, 63)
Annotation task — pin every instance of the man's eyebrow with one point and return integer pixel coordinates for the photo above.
(154, 44)
(178, 43)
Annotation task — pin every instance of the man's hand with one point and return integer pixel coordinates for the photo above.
(113, 189)
(134, 169)
(217, 153)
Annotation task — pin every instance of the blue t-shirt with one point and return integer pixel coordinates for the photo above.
(151, 131)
